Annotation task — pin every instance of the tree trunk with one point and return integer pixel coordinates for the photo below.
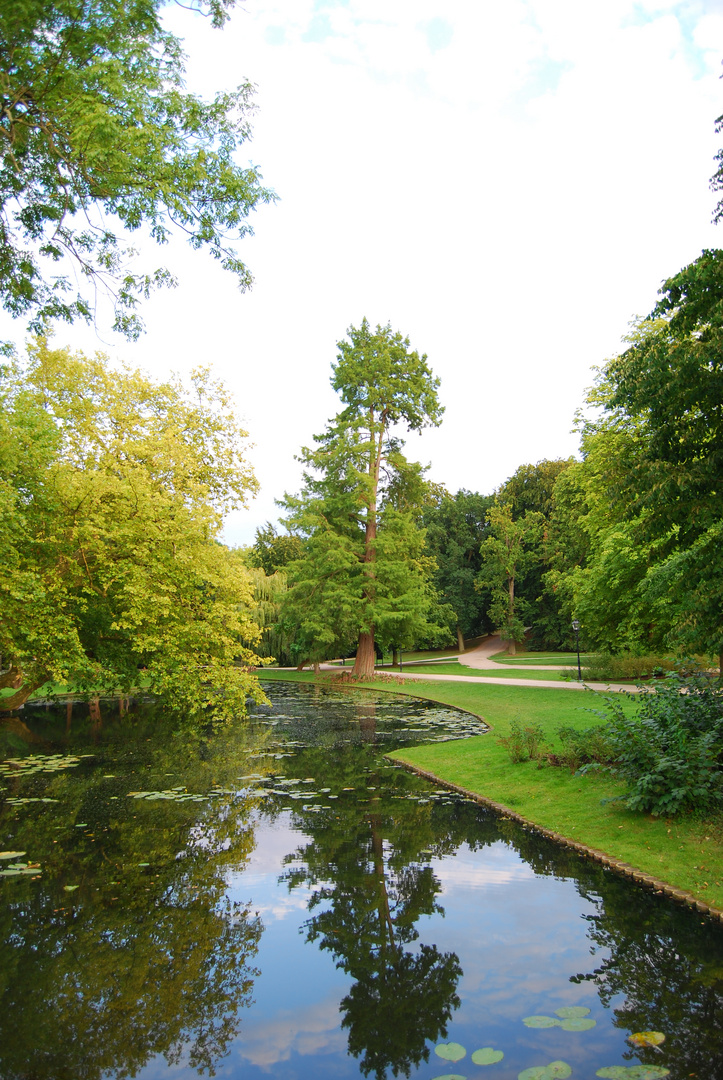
(395, 657)
(511, 645)
(365, 653)
(316, 667)
(7, 704)
(365, 656)
(460, 640)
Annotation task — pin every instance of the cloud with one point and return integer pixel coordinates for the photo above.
(312, 1030)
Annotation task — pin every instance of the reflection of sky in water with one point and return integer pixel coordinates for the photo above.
(520, 936)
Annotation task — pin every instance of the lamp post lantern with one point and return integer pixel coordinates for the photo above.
(576, 628)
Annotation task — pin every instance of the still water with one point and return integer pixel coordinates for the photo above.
(284, 902)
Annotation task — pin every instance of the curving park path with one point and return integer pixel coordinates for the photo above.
(539, 683)
(480, 658)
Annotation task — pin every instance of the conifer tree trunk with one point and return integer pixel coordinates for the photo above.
(365, 656)
(511, 644)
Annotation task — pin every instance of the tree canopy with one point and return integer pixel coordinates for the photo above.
(113, 491)
(99, 140)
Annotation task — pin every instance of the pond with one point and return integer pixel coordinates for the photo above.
(283, 901)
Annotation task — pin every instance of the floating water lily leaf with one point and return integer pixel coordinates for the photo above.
(450, 1051)
(572, 1012)
(450, 1076)
(633, 1072)
(487, 1056)
(559, 1070)
(70, 888)
(556, 1070)
(11, 854)
(578, 1023)
(541, 1022)
(144, 864)
(646, 1038)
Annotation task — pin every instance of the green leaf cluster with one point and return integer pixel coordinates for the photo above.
(113, 491)
(98, 140)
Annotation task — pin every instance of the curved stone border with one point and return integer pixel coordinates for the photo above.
(640, 877)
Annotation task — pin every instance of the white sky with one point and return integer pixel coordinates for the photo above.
(507, 183)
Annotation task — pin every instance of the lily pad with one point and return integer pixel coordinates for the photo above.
(541, 1022)
(572, 1012)
(578, 1023)
(450, 1076)
(633, 1072)
(646, 1038)
(70, 888)
(450, 1051)
(487, 1056)
(11, 854)
(556, 1070)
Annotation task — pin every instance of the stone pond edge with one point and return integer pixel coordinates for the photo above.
(640, 877)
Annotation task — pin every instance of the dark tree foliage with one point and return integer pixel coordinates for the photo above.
(456, 526)
(272, 550)
(530, 490)
(98, 140)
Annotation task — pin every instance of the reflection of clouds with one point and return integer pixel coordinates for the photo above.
(258, 883)
(473, 870)
(276, 840)
(281, 905)
(313, 1030)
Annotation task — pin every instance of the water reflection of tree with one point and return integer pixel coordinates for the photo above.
(668, 968)
(660, 967)
(367, 865)
(138, 960)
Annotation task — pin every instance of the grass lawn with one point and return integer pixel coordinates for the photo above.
(454, 668)
(552, 658)
(685, 852)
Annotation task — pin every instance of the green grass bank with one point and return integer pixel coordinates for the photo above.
(685, 852)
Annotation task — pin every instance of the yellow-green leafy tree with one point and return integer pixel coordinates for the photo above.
(113, 490)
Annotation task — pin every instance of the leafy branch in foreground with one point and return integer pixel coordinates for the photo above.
(98, 140)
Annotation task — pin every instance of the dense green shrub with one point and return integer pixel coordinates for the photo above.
(670, 751)
(523, 743)
(587, 747)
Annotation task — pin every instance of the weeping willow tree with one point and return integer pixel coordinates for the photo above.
(265, 612)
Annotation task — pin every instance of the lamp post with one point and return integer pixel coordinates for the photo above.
(576, 628)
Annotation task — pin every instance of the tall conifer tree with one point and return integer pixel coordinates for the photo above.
(364, 576)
